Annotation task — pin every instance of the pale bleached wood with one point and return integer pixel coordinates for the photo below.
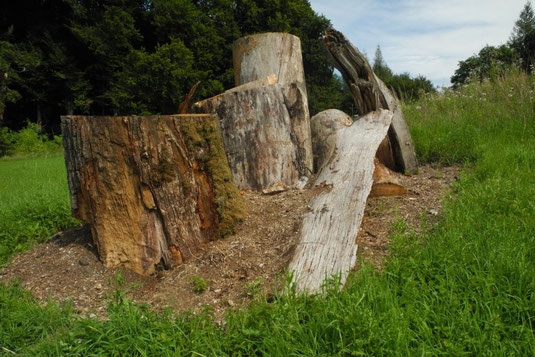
(266, 133)
(258, 56)
(369, 94)
(153, 189)
(323, 128)
(328, 237)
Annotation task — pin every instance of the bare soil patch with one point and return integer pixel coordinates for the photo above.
(235, 268)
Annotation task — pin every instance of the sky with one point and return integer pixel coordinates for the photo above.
(427, 37)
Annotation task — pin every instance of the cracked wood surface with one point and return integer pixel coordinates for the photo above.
(327, 245)
(145, 185)
(370, 93)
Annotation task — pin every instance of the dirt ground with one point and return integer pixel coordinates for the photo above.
(233, 269)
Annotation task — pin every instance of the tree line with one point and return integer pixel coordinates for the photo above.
(108, 57)
(494, 61)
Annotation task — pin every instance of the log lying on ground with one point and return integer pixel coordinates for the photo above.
(154, 189)
(328, 237)
(369, 94)
(266, 133)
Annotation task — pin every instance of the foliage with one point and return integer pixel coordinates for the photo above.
(494, 62)
(380, 68)
(34, 202)
(199, 284)
(522, 39)
(403, 85)
(463, 288)
(28, 141)
(139, 56)
(490, 63)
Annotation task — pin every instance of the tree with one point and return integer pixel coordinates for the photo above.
(522, 39)
(380, 67)
(490, 63)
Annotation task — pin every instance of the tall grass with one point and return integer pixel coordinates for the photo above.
(34, 202)
(465, 288)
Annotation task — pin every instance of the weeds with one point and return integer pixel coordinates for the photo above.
(464, 288)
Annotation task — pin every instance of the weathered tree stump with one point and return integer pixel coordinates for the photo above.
(265, 134)
(369, 94)
(265, 120)
(153, 189)
(328, 236)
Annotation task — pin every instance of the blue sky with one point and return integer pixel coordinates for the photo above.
(426, 37)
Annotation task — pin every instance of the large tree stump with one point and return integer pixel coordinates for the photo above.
(154, 189)
(265, 120)
(266, 133)
(328, 236)
(369, 94)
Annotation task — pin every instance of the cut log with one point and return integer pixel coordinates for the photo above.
(327, 245)
(266, 133)
(183, 108)
(153, 189)
(386, 182)
(323, 128)
(369, 94)
(261, 55)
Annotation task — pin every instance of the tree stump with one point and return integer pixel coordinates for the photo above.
(265, 134)
(369, 94)
(153, 189)
(265, 120)
(328, 236)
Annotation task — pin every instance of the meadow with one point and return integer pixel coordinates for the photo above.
(467, 287)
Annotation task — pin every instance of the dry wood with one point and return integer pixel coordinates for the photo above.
(369, 94)
(258, 56)
(386, 182)
(153, 189)
(183, 108)
(328, 237)
(266, 133)
(323, 128)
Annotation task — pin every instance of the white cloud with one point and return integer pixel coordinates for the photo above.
(427, 37)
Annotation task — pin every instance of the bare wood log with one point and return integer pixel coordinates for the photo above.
(266, 133)
(154, 189)
(386, 182)
(328, 237)
(369, 94)
(258, 56)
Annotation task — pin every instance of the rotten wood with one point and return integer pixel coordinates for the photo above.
(327, 245)
(369, 93)
(183, 108)
(153, 189)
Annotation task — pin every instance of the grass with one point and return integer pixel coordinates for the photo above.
(34, 202)
(465, 288)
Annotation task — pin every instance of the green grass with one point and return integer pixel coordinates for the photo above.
(465, 288)
(34, 202)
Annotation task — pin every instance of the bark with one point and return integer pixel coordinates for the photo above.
(369, 94)
(266, 133)
(153, 189)
(328, 237)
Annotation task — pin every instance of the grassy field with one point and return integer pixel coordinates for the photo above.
(465, 288)
(34, 202)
